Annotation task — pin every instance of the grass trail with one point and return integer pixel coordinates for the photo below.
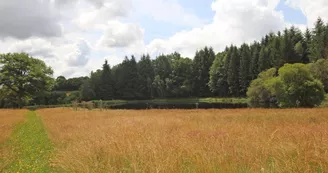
(31, 147)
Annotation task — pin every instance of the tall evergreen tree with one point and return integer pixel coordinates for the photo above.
(106, 86)
(201, 66)
(244, 76)
(146, 76)
(218, 76)
(307, 46)
(127, 79)
(86, 92)
(317, 44)
(264, 61)
(233, 72)
(255, 54)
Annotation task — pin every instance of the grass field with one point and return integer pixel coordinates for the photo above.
(8, 120)
(242, 140)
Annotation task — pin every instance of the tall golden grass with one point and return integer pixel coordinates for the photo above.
(243, 140)
(8, 120)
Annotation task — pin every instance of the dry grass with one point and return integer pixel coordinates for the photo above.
(244, 140)
(8, 120)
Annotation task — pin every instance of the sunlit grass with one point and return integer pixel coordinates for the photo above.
(31, 148)
(243, 140)
(8, 120)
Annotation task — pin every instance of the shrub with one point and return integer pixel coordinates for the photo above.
(259, 93)
(294, 87)
(298, 88)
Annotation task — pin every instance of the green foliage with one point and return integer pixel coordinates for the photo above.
(299, 87)
(86, 91)
(294, 87)
(259, 93)
(146, 76)
(202, 63)
(106, 85)
(126, 77)
(244, 76)
(233, 71)
(218, 76)
(317, 44)
(319, 70)
(23, 77)
(179, 83)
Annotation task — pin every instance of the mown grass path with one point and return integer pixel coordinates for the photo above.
(32, 149)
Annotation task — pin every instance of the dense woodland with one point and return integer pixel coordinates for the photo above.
(207, 74)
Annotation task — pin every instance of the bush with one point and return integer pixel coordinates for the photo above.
(297, 87)
(294, 87)
(319, 70)
(259, 93)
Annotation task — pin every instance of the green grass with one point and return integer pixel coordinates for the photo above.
(32, 149)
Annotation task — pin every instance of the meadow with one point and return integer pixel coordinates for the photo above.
(241, 140)
(8, 120)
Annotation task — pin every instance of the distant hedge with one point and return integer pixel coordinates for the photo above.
(36, 107)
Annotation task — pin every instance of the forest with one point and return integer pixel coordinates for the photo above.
(291, 58)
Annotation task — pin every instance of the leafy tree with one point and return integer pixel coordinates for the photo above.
(159, 85)
(294, 87)
(179, 83)
(86, 92)
(24, 76)
(319, 70)
(163, 70)
(298, 88)
(71, 84)
(218, 76)
(259, 93)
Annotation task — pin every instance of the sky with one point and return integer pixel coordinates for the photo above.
(75, 37)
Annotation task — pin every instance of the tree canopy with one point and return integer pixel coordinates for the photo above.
(294, 86)
(22, 77)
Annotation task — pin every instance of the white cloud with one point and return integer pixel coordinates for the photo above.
(35, 47)
(118, 34)
(235, 21)
(24, 19)
(169, 11)
(80, 54)
(97, 16)
(312, 9)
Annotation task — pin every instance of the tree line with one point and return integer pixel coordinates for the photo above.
(225, 74)
(208, 74)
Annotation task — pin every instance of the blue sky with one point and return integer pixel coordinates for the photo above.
(294, 16)
(202, 8)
